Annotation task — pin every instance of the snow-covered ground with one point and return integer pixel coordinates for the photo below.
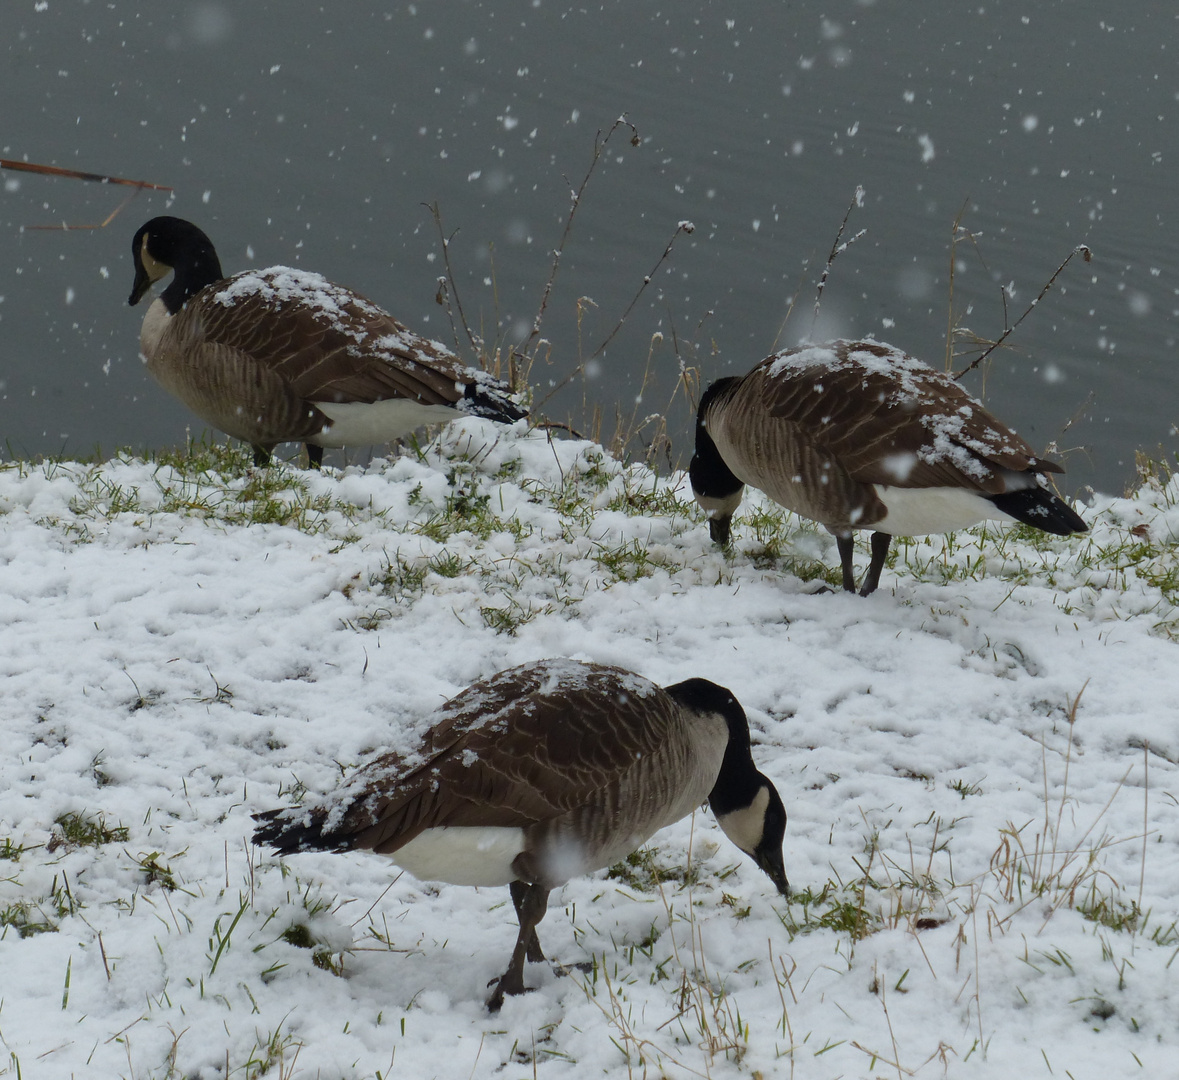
(980, 764)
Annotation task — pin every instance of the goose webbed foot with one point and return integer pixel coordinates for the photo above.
(585, 967)
(509, 983)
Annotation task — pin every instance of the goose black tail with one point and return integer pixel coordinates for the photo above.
(1038, 507)
(294, 829)
(488, 397)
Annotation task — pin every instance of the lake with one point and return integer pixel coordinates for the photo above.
(313, 134)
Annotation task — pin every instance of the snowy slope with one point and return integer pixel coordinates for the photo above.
(980, 764)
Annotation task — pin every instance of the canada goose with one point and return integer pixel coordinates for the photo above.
(857, 435)
(543, 772)
(281, 355)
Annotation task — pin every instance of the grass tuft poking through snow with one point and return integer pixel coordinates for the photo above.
(980, 764)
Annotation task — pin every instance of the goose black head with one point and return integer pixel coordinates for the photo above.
(167, 244)
(714, 485)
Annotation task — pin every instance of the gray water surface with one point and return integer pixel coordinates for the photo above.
(311, 134)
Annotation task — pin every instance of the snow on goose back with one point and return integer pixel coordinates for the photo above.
(281, 354)
(858, 434)
(542, 773)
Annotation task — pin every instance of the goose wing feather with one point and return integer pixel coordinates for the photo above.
(325, 342)
(886, 418)
(229, 388)
(524, 747)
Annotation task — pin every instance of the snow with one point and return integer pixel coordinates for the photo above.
(970, 759)
(278, 285)
(331, 305)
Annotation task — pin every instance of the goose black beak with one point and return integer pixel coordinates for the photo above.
(770, 861)
(719, 529)
(140, 286)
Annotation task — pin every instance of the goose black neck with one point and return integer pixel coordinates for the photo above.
(195, 267)
(707, 471)
(738, 781)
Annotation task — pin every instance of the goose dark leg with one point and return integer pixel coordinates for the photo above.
(261, 456)
(530, 909)
(314, 455)
(519, 891)
(845, 544)
(880, 544)
(720, 529)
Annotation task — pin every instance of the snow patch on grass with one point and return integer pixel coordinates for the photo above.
(980, 764)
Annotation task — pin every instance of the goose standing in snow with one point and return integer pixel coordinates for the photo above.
(544, 772)
(859, 435)
(282, 355)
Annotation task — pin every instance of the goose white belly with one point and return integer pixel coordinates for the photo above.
(357, 423)
(917, 511)
(462, 855)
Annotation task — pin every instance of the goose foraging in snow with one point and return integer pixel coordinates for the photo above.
(859, 435)
(281, 355)
(544, 772)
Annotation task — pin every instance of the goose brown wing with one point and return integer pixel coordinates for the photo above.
(886, 418)
(525, 746)
(326, 342)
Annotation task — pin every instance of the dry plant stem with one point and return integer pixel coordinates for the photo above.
(625, 432)
(480, 1051)
(64, 227)
(892, 1035)
(379, 898)
(436, 214)
(1066, 894)
(950, 306)
(1145, 820)
(600, 142)
(875, 1055)
(787, 1028)
(789, 311)
(556, 425)
(837, 249)
(1081, 250)
(682, 227)
(1043, 861)
(74, 174)
(977, 979)
(1068, 757)
(616, 1016)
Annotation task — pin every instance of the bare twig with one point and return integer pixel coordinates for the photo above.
(1145, 820)
(436, 214)
(790, 308)
(836, 249)
(1081, 250)
(682, 227)
(76, 174)
(600, 142)
(950, 306)
(63, 227)
(556, 425)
